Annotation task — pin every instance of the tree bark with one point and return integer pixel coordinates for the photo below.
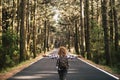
(116, 26)
(76, 38)
(105, 28)
(92, 14)
(87, 29)
(34, 32)
(0, 20)
(82, 28)
(45, 25)
(22, 31)
(97, 1)
(69, 37)
(111, 21)
(18, 19)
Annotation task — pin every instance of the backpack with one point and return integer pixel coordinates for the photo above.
(63, 63)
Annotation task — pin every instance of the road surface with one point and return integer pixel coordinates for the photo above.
(45, 69)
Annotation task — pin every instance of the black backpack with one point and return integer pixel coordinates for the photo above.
(63, 63)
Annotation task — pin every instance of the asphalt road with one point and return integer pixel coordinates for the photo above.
(45, 69)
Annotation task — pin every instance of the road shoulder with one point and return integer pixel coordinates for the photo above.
(102, 68)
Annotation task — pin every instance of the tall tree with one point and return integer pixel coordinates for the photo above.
(13, 14)
(76, 37)
(69, 37)
(18, 17)
(45, 2)
(0, 19)
(92, 13)
(34, 31)
(97, 16)
(87, 29)
(115, 25)
(105, 27)
(45, 26)
(82, 28)
(111, 20)
(28, 24)
(22, 30)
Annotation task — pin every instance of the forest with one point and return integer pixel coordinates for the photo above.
(31, 27)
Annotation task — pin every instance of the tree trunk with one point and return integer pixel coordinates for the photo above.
(22, 31)
(18, 19)
(45, 25)
(87, 29)
(116, 26)
(92, 14)
(34, 32)
(27, 26)
(82, 28)
(69, 37)
(97, 1)
(76, 38)
(13, 16)
(111, 21)
(48, 36)
(0, 21)
(105, 27)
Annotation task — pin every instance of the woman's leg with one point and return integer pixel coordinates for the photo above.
(64, 74)
(60, 72)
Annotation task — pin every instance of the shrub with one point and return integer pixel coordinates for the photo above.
(9, 49)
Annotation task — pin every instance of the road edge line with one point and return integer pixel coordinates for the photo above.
(100, 69)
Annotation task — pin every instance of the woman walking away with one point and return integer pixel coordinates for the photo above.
(62, 63)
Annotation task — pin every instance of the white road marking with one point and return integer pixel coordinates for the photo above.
(56, 50)
(100, 69)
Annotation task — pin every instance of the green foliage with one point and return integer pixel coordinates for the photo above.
(9, 50)
(97, 45)
(1, 57)
(9, 39)
(97, 48)
(9, 62)
(116, 70)
(115, 57)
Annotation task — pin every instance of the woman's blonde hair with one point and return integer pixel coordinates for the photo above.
(62, 51)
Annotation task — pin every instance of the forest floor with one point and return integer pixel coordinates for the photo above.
(12, 71)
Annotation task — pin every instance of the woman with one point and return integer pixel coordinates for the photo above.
(62, 63)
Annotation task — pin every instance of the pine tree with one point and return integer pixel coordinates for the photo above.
(22, 30)
(105, 28)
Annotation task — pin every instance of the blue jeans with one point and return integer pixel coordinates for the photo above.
(62, 74)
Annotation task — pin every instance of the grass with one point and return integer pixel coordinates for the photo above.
(116, 70)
